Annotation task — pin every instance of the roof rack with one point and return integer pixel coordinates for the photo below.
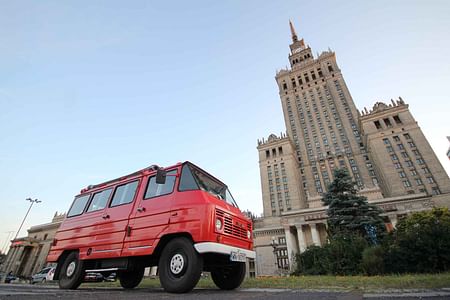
(93, 186)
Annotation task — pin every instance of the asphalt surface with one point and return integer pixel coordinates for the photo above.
(41, 292)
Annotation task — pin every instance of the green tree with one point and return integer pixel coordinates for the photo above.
(420, 243)
(349, 212)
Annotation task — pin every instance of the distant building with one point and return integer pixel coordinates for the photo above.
(27, 255)
(384, 150)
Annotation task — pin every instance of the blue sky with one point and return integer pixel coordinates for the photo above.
(92, 90)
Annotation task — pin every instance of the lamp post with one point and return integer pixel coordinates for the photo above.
(274, 244)
(26, 215)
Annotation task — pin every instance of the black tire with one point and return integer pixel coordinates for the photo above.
(229, 277)
(72, 272)
(131, 279)
(180, 266)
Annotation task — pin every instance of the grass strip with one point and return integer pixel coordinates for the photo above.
(364, 283)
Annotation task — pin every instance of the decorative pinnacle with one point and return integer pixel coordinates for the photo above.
(293, 33)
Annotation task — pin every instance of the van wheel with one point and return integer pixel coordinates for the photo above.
(71, 274)
(229, 277)
(180, 266)
(131, 279)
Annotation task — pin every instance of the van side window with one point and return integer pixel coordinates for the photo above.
(99, 200)
(78, 206)
(187, 181)
(154, 189)
(124, 193)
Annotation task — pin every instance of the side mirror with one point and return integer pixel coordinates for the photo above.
(161, 175)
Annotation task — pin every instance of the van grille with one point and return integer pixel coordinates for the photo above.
(233, 226)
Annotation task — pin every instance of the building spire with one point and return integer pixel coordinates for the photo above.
(293, 33)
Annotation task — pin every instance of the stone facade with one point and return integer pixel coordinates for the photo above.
(27, 255)
(384, 150)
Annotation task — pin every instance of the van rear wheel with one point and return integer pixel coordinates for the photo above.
(72, 272)
(229, 277)
(131, 279)
(180, 266)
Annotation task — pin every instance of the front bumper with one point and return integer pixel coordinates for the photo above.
(211, 247)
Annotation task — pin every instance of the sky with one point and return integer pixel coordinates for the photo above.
(93, 90)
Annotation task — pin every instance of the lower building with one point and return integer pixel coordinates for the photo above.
(278, 239)
(27, 255)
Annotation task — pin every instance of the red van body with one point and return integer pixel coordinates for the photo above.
(180, 218)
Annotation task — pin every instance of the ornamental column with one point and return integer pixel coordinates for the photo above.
(315, 235)
(301, 238)
(290, 244)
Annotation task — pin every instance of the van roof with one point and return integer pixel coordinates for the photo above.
(141, 172)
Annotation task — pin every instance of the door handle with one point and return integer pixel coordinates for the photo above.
(141, 209)
(105, 217)
(174, 214)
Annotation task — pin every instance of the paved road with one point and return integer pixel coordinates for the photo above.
(43, 292)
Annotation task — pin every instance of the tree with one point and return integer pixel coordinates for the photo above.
(349, 213)
(420, 243)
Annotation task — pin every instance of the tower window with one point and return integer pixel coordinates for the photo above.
(267, 154)
(274, 152)
(319, 71)
(284, 86)
(377, 124)
(397, 120)
(280, 150)
(306, 77)
(387, 122)
(330, 68)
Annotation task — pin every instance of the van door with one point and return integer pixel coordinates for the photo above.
(112, 227)
(150, 217)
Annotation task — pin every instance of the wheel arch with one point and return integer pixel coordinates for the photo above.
(60, 262)
(164, 240)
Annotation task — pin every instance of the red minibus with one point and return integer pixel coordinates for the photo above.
(180, 218)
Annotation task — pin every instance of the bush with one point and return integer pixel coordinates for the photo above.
(372, 260)
(312, 262)
(345, 254)
(342, 256)
(421, 243)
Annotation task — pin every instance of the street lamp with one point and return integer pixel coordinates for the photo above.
(274, 244)
(26, 215)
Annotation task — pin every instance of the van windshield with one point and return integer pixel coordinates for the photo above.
(194, 179)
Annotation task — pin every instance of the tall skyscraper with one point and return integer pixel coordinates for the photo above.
(383, 149)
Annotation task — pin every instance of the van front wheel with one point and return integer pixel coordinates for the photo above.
(131, 279)
(180, 266)
(229, 277)
(72, 272)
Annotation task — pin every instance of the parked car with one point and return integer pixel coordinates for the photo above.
(10, 277)
(44, 275)
(93, 277)
(112, 277)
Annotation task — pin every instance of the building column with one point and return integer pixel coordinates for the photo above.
(290, 244)
(301, 238)
(315, 235)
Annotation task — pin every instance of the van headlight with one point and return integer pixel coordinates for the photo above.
(218, 224)
(249, 234)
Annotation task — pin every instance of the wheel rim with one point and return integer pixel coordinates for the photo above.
(177, 264)
(71, 269)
